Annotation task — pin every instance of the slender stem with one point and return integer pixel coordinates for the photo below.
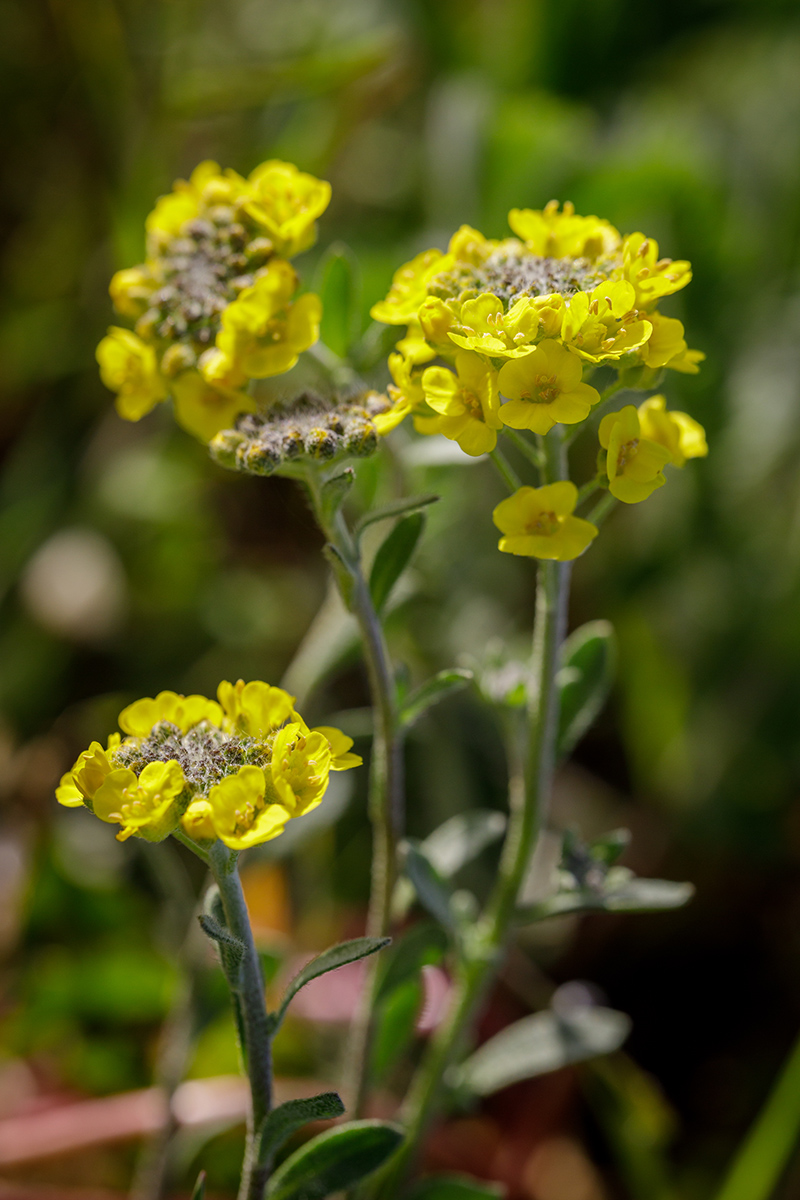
(246, 982)
(386, 778)
(524, 446)
(509, 475)
(588, 490)
(530, 786)
(605, 505)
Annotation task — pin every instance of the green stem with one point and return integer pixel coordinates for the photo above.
(246, 982)
(530, 786)
(386, 778)
(605, 505)
(588, 489)
(509, 475)
(524, 446)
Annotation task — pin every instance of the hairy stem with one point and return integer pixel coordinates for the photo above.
(530, 786)
(246, 982)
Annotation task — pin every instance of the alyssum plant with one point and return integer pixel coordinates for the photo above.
(518, 340)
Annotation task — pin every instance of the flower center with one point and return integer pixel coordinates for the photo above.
(546, 390)
(472, 405)
(511, 271)
(544, 524)
(205, 754)
(627, 451)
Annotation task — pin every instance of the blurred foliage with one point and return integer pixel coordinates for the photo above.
(128, 562)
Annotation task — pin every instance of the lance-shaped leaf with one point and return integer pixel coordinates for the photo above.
(334, 490)
(424, 943)
(393, 557)
(339, 286)
(399, 508)
(434, 690)
(456, 842)
(587, 670)
(454, 1187)
(432, 891)
(334, 1160)
(539, 1044)
(395, 1024)
(329, 960)
(285, 1120)
(199, 1190)
(616, 894)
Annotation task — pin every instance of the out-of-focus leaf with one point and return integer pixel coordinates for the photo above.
(425, 943)
(454, 1187)
(287, 1118)
(394, 556)
(199, 1190)
(338, 282)
(335, 489)
(334, 1160)
(587, 671)
(461, 838)
(397, 509)
(539, 1044)
(432, 692)
(433, 892)
(394, 1026)
(628, 895)
(329, 960)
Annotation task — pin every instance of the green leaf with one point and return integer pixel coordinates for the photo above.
(342, 572)
(423, 944)
(398, 508)
(218, 933)
(334, 1160)
(199, 1190)
(334, 491)
(539, 1044)
(285, 1120)
(459, 840)
(587, 670)
(445, 684)
(433, 892)
(454, 1187)
(395, 1023)
(329, 960)
(617, 894)
(394, 556)
(338, 283)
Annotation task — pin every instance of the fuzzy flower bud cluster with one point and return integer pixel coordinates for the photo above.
(236, 769)
(215, 303)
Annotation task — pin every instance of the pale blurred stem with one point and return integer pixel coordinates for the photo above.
(506, 471)
(588, 489)
(524, 446)
(385, 782)
(246, 982)
(530, 786)
(604, 507)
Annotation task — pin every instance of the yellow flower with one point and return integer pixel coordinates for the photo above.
(204, 410)
(545, 389)
(198, 821)
(340, 743)
(128, 366)
(131, 289)
(652, 277)
(405, 393)
(243, 810)
(538, 523)
(602, 325)
(634, 462)
(262, 333)
(410, 287)
(146, 806)
(254, 708)
(88, 774)
(665, 343)
(676, 431)
(185, 712)
(563, 234)
(468, 402)
(468, 245)
(286, 202)
(485, 326)
(206, 186)
(301, 761)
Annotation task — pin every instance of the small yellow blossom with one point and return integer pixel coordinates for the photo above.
(204, 410)
(405, 393)
(652, 277)
(286, 202)
(147, 805)
(468, 245)
(262, 333)
(254, 708)
(340, 743)
(88, 774)
(198, 821)
(602, 324)
(139, 718)
(243, 810)
(301, 760)
(467, 402)
(538, 523)
(128, 367)
(557, 234)
(409, 288)
(206, 186)
(634, 462)
(665, 343)
(130, 290)
(683, 436)
(544, 389)
(485, 326)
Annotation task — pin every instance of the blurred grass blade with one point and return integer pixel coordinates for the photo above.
(338, 282)
(285, 1120)
(329, 960)
(431, 889)
(587, 670)
(761, 1161)
(394, 556)
(200, 1187)
(432, 692)
(334, 1160)
(461, 839)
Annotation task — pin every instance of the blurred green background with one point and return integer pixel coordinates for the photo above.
(130, 563)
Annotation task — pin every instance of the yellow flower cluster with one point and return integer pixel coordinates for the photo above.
(214, 303)
(237, 768)
(525, 319)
